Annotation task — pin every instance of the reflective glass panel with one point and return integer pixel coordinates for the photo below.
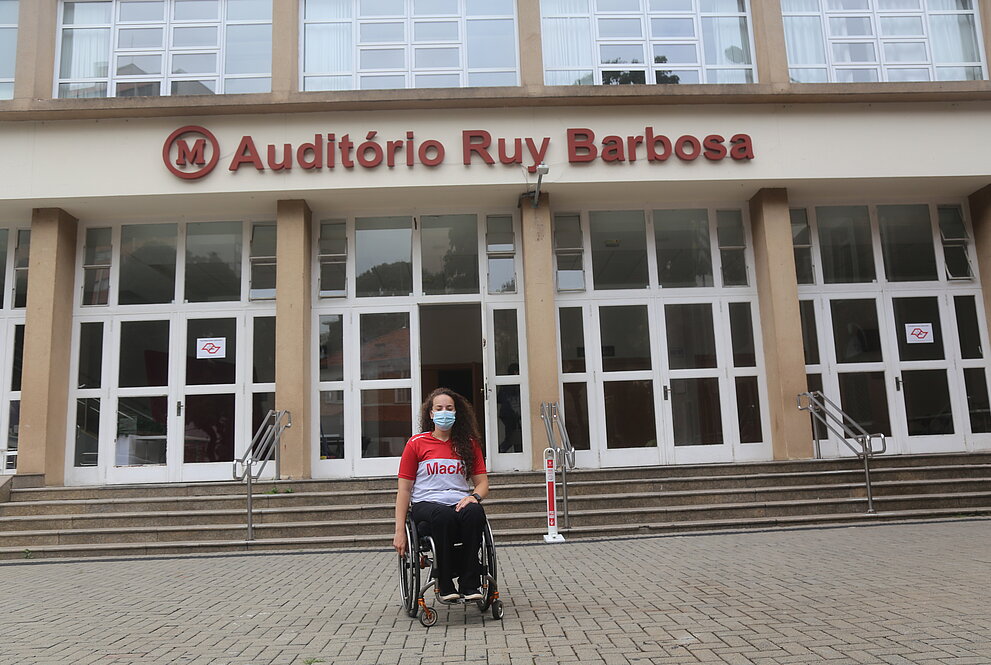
(810, 333)
(85, 53)
(691, 340)
(968, 327)
(332, 424)
(748, 409)
(87, 432)
(918, 329)
(625, 334)
(332, 347)
(907, 242)
(144, 353)
(13, 432)
(90, 355)
(213, 261)
(147, 264)
(263, 353)
(576, 414)
(510, 419)
(696, 412)
(629, 410)
(572, 339)
(742, 333)
(249, 49)
(385, 345)
(209, 428)
(864, 399)
(683, 254)
(619, 249)
(22, 254)
(383, 256)
(977, 400)
(385, 422)
(261, 404)
(927, 402)
(96, 267)
(17, 362)
(855, 331)
(814, 384)
(502, 274)
(726, 40)
(845, 244)
(211, 351)
(507, 342)
(142, 431)
(3, 264)
(195, 10)
(449, 254)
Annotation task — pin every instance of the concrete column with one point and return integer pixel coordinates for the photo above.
(769, 42)
(293, 361)
(35, 68)
(45, 381)
(531, 53)
(980, 215)
(780, 323)
(285, 47)
(540, 316)
(984, 11)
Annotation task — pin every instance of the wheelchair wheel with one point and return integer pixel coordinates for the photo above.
(409, 571)
(497, 609)
(490, 571)
(428, 617)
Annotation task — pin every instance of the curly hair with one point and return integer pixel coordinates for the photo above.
(465, 429)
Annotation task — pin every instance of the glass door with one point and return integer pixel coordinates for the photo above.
(507, 408)
(626, 378)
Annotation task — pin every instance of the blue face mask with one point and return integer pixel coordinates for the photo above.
(443, 420)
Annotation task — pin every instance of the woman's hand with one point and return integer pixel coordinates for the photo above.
(464, 502)
(399, 543)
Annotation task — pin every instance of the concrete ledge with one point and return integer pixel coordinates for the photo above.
(27, 481)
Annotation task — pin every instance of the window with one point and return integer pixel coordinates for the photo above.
(396, 44)
(847, 41)
(263, 265)
(132, 48)
(500, 248)
(97, 261)
(8, 47)
(612, 42)
(801, 238)
(569, 253)
(954, 236)
(333, 258)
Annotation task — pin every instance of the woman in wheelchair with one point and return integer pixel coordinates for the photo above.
(434, 475)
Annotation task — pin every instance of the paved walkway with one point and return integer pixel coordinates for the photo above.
(896, 594)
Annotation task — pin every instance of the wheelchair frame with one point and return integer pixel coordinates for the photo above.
(421, 553)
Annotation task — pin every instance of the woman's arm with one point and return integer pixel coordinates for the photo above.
(481, 483)
(402, 505)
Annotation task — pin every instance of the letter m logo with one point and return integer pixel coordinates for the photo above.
(195, 155)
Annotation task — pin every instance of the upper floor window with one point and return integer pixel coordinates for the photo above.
(394, 44)
(608, 42)
(8, 47)
(852, 41)
(132, 48)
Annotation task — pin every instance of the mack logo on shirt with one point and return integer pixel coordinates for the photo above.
(438, 468)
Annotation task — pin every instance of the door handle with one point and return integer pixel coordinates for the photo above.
(898, 383)
(667, 391)
(178, 408)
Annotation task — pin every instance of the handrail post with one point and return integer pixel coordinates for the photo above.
(251, 531)
(865, 443)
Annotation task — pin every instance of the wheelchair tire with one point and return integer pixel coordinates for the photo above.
(497, 609)
(428, 617)
(490, 568)
(409, 571)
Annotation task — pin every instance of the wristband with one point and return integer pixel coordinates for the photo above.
(477, 498)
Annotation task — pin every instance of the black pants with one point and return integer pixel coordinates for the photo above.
(448, 527)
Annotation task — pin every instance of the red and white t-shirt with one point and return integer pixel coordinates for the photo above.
(437, 473)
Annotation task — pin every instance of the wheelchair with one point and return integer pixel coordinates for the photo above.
(421, 555)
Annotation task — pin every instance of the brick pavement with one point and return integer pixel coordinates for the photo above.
(894, 594)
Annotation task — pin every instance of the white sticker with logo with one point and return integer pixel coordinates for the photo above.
(919, 333)
(211, 347)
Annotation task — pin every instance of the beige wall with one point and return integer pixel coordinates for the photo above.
(540, 315)
(35, 69)
(45, 382)
(980, 215)
(285, 52)
(780, 323)
(293, 383)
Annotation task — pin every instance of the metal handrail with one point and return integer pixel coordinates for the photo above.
(844, 428)
(264, 446)
(564, 452)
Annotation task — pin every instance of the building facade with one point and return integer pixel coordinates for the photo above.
(669, 216)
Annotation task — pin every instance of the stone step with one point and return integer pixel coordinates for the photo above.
(371, 526)
(510, 478)
(213, 512)
(577, 486)
(503, 538)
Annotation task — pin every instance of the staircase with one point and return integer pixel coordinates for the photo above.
(358, 513)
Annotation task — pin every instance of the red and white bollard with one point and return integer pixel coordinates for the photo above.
(549, 467)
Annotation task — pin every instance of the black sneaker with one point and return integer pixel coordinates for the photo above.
(446, 591)
(470, 589)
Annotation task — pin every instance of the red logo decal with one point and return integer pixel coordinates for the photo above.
(210, 348)
(919, 333)
(185, 152)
